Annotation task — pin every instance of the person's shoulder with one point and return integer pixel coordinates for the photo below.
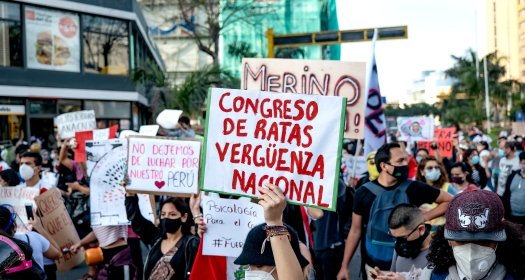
(418, 184)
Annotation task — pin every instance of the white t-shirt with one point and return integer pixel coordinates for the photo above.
(506, 166)
(38, 243)
(483, 154)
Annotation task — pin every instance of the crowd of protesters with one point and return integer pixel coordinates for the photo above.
(413, 215)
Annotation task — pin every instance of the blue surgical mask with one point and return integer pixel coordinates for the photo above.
(419, 159)
(432, 175)
(475, 159)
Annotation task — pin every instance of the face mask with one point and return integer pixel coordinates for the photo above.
(457, 180)
(26, 172)
(432, 175)
(258, 275)
(419, 159)
(473, 260)
(501, 153)
(170, 225)
(475, 159)
(411, 249)
(400, 172)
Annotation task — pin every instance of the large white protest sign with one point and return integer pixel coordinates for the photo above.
(290, 140)
(323, 77)
(162, 165)
(414, 129)
(228, 222)
(149, 130)
(19, 197)
(106, 163)
(69, 123)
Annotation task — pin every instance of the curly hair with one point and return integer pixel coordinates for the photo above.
(510, 253)
(421, 170)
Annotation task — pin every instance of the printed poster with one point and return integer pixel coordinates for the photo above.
(413, 129)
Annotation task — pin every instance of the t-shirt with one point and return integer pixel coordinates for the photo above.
(506, 166)
(38, 243)
(418, 193)
(410, 267)
(517, 196)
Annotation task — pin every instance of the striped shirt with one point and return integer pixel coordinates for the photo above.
(108, 235)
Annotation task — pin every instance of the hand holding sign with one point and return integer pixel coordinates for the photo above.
(273, 203)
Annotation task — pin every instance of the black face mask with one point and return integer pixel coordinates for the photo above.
(411, 249)
(400, 172)
(170, 225)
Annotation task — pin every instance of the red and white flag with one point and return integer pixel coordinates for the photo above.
(97, 134)
(375, 124)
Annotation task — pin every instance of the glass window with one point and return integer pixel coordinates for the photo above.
(105, 45)
(42, 107)
(67, 106)
(10, 35)
(109, 109)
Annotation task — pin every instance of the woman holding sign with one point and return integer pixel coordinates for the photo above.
(173, 246)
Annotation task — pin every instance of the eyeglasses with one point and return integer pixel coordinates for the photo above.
(404, 238)
(10, 253)
(432, 167)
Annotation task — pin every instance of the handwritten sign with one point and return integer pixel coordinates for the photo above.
(69, 123)
(96, 134)
(57, 222)
(443, 139)
(254, 138)
(161, 165)
(445, 133)
(106, 166)
(18, 197)
(228, 222)
(415, 129)
(322, 77)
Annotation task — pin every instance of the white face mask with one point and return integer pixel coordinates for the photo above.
(473, 260)
(26, 172)
(258, 275)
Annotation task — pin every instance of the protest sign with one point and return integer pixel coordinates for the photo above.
(445, 133)
(106, 164)
(96, 134)
(518, 128)
(19, 197)
(69, 123)
(360, 168)
(228, 222)
(293, 141)
(413, 129)
(443, 139)
(162, 165)
(322, 77)
(149, 130)
(55, 219)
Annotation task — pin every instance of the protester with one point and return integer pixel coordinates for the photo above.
(19, 150)
(477, 173)
(272, 249)
(514, 195)
(432, 172)
(183, 129)
(173, 246)
(391, 188)
(507, 164)
(421, 154)
(461, 179)
(30, 167)
(17, 260)
(40, 245)
(476, 242)
(412, 242)
(9, 178)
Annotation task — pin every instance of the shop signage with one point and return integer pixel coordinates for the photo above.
(12, 109)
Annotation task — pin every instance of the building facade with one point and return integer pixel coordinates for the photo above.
(430, 87)
(60, 56)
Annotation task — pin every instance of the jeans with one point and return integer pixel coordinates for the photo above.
(328, 262)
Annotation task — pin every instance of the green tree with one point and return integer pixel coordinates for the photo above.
(240, 50)
(418, 109)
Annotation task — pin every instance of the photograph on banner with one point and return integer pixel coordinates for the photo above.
(19, 197)
(52, 39)
(55, 219)
(159, 165)
(96, 134)
(69, 123)
(413, 129)
(228, 222)
(106, 168)
(254, 138)
(445, 147)
(322, 77)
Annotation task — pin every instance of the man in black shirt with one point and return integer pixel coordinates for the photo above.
(392, 164)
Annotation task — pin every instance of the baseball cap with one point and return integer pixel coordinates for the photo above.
(475, 215)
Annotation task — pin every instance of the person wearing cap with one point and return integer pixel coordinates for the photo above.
(272, 249)
(514, 195)
(476, 242)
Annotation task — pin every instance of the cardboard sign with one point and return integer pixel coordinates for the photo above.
(149, 130)
(293, 141)
(69, 123)
(518, 128)
(19, 197)
(445, 147)
(228, 222)
(56, 221)
(96, 134)
(106, 167)
(322, 77)
(415, 129)
(163, 166)
(446, 133)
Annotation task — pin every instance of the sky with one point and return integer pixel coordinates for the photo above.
(437, 29)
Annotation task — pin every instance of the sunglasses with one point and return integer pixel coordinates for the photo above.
(404, 238)
(11, 254)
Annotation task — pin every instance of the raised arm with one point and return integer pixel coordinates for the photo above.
(147, 231)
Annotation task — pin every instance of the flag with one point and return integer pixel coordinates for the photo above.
(215, 267)
(375, 125)
(97, 134)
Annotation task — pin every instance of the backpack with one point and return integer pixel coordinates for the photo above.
(379, 244)
(119, 267)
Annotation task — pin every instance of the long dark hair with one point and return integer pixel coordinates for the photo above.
(421, 169)
(510, 253)
(182, 206)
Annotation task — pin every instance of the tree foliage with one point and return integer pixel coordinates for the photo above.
(418, 109)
